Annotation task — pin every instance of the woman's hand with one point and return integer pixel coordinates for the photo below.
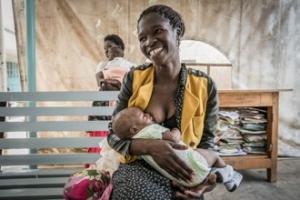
(163, 154)
(110, 85)
(197, 192)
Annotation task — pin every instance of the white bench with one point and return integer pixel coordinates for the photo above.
(38, 183)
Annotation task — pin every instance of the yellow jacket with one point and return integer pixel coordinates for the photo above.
(199, 110)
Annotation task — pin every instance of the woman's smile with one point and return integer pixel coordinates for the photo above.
(155, 52)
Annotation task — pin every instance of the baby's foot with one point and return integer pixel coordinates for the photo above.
(223, 174)
(234, 183)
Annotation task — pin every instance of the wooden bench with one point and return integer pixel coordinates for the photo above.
(47, 183)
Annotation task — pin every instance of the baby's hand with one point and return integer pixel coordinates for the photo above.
(173, 135)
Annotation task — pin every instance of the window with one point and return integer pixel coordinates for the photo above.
(13, 77)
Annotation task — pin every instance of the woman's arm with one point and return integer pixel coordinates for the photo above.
(162, 152)
(211, 117)
(99, 78)
(110, 85)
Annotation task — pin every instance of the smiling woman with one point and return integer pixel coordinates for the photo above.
(175, 97)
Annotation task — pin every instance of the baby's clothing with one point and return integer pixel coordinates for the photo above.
(109, 158)
(192, 158)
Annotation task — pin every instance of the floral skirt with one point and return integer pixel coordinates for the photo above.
(138, 180)
(89, 184)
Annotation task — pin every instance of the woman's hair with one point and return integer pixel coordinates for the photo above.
(175, 18)
(115, 39)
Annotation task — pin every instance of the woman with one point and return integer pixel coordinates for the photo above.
(109, 76)
(175, 97)
(114, 51)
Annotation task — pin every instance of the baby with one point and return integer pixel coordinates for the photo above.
(134, 123)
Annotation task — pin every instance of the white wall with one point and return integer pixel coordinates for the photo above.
(9, 30)
(7, 40)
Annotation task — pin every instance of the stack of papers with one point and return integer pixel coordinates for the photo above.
(253, 128)
(241, 131)
(228, 137)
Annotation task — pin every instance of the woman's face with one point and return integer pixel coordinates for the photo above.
(112, 50)
(158, 39)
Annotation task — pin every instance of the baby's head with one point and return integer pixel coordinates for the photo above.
(130, 121)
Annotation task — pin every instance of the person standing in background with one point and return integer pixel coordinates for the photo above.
(109, 75)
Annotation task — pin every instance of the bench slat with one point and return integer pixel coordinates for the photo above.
(34, 173)
(33, 183)
(37, 143)
(32, 193)
(55, 111)
(54, 126)
(36, 159)
(59, 96)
